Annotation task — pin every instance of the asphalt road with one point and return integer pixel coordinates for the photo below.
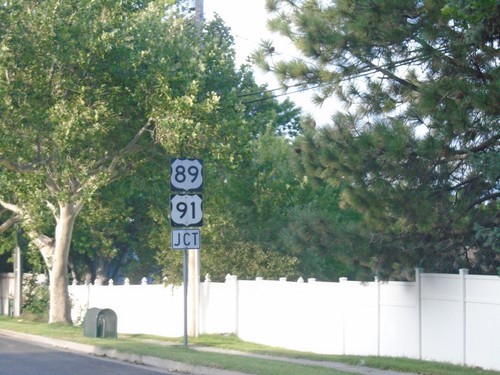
(23, 358)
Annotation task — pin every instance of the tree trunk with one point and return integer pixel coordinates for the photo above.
(60, 306)
(100, 270)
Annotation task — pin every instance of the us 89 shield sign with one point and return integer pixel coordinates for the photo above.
(186, 175)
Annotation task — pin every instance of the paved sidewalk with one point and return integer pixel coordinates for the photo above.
(359, 369)
(180, 367)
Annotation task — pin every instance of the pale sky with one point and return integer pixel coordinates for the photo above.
(247, 20)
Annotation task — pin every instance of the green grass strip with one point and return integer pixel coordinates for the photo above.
(172, 349)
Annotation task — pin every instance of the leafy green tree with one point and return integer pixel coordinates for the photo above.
(85, 87)
(293, 215)
(416, 152)
(112, 239)
(250, 212)
(115, 237)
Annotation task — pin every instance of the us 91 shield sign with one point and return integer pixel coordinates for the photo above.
(186, 210)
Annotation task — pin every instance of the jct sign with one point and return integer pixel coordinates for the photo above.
(185, 238)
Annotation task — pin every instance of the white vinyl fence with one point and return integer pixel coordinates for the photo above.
(6, 292)
(443, 317)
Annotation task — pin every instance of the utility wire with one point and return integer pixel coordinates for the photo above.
(287, 93)
(268, 90)
(366, 71)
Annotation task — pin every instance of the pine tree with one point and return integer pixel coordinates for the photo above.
(416, 151)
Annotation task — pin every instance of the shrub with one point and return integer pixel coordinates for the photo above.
(36, 296)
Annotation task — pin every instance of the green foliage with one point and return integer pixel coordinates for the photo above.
(244, 214)
(7, 242)
(478, 19)
(35, 297)
(416, 153)
(88, 78)
(246, 260)
(114, 234)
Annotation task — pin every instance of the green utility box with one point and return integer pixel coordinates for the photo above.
(100, 323)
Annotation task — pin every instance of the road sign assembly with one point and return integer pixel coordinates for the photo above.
(186, 210)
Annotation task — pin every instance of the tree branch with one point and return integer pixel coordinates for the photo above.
(52, 209)
(14, 218)
(46, 246)
(11, 207)
(127, 150)
(50, 182)
(14, 167)
(451, 60)
(484, 145)
(43, 243)
(388, 73)
(464, 183)
(483, 199)
(114, 160)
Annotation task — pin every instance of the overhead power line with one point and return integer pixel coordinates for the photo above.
(287, 93)
(269, 90)
(364, 72)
